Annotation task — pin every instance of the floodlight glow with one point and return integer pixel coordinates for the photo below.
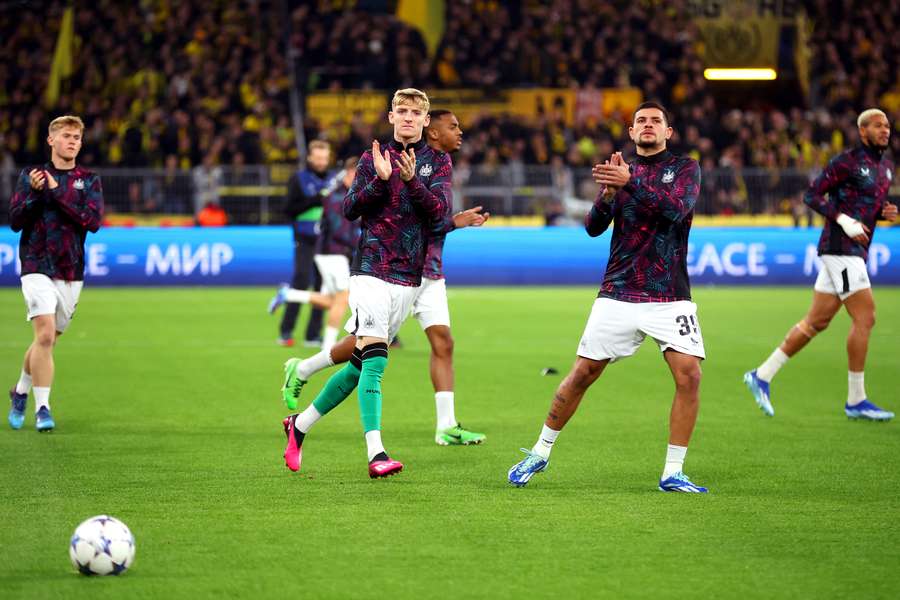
(740, 74)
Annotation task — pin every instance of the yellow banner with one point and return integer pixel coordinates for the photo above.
(746, 42)
(61, 67)
(543, 101)
(330, 107)
(425, 15)
(335, 109)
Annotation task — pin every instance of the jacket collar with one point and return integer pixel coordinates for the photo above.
(416, 146)
(654, 158)
(874, 153)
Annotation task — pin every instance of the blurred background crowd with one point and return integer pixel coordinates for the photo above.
(186, 84)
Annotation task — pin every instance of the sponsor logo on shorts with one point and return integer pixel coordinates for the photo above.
(369, 322)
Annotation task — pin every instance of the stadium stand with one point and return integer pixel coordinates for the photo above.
(142, 78)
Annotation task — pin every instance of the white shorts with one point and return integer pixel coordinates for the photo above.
(378, 308)
(842, 276)
(616, 329)
(335, 272)
(430, 307)
(45, 296)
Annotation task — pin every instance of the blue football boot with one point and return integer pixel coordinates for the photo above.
(760, 391)
(867, 411)
(523, 471)
(43, 421)
(679, 482)
(16, 409)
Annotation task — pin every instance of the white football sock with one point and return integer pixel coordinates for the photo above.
(307, 419)
(545, 443)
(373, 443)
(315, 363)
(767, 370)
(293, 295)
(41, 397)
(446, 417)
(856, 387)
(330, 337)
(23, 386)
(674, 460)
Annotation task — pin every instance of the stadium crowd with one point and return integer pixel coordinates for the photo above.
(200, 84)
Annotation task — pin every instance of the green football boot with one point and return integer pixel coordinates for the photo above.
(293, 385)
(458, 436)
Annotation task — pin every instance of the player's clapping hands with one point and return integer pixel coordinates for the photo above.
(472, 217)
(381, 161)
(407, 164)
(37, 179)
(889, 211)
(40, 178)
(611, 170)
(612, 173)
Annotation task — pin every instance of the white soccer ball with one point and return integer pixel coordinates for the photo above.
(102, 545)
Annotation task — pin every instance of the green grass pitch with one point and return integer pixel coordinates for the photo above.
(169, 417)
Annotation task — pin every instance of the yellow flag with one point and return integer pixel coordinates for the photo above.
(62, 58)
(425, 15)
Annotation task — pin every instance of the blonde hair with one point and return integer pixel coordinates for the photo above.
(412, 96)
(867, 114)
(65, 121)
(319, 145)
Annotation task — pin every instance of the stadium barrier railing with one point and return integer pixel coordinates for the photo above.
(255, 195)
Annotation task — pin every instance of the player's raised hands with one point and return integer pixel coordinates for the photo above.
(381, 161)
(51, 181)
(37, 179)
(407, 164)
(889, 211)
(472, 217)
(600, 170)
(611, 174)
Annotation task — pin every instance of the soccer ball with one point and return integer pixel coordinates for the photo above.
(102, 545)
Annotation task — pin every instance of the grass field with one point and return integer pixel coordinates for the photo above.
(168, 416)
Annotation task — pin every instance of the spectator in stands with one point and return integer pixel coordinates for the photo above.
(207, 179)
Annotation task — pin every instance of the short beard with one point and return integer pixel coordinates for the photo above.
(642, 144)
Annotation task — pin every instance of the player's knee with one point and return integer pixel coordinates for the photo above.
(443, 345)
(45, 339)
(811, 327)
(865, 321)
(585, 373)
(687, 379)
